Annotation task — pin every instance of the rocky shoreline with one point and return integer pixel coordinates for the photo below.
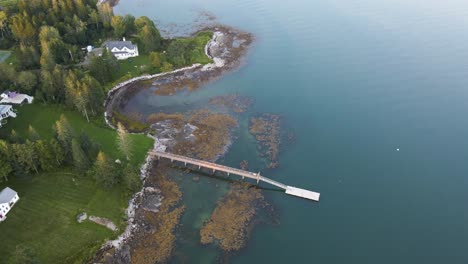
(227, 49)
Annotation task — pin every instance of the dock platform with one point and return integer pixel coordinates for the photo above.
(303, 193)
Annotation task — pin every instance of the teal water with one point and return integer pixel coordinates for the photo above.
(355, 80)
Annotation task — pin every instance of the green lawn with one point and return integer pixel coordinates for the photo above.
(133, 67)
(44, 217)
(42, 117)
(4, 54)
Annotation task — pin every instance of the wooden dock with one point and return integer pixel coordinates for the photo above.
(243, 173)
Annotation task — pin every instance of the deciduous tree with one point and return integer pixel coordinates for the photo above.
(124, 141)
(104, 171)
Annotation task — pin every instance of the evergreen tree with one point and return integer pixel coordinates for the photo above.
(57, 151)
(33, 135)
(64, 132)
(131, 179)
(89, 147)
(27, 156)
(129, 22)
(148, 34)
(14, 137)
(5, 166)
(124, 141)
(46, 157)
(105, 12)
(26, 81)
(104, 171)
(80, 160)
(118, 25)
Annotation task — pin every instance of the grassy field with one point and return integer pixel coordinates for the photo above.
(44, 217)
(4, 54)
(133, 67)
(198, 53)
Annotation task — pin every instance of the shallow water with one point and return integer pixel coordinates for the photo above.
(355, 80)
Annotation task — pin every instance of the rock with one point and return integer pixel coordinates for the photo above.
(104, 222)
(196, 179)
(81, 217)
(118, 161)
(151, 202)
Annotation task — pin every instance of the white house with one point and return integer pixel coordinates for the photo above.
(5, 112)
(122, 49)
(15, 98)
(8, 198)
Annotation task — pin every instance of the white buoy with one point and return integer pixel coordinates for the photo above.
(397, 149)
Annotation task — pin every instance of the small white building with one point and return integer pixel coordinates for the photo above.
(15, 98)
(8, 198)
(5, 112)
(122, 49)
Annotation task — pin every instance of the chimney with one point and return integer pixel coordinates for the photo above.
(123, 38)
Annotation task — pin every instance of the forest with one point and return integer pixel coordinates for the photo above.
(47, 39)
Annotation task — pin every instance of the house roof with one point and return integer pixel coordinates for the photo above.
(4, 108)
(6, 195)
(120, 45)
(16, 99)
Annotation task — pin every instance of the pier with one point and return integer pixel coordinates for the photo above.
(243, 173)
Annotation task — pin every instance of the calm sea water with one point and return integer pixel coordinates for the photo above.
(355, 80)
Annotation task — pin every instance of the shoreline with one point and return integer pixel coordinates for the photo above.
(222, 50)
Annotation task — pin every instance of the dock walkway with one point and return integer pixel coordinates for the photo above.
(243, 173)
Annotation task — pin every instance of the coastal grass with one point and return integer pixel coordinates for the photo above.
(44, 218)
(197, 54)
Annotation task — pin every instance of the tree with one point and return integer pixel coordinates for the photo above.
(129, 22)
(104, 68)
(14, 137)
(89, 147)
(95, 18)
(3, 24)
(104, 171)
(57, 150)
(5, 166)
(24, 255)
(81, 99)
(79, 157)
(105, 12)
(63, 131)
(148, 34)
(124, 141)
(26, 81)
(33, 135)
(155, 59)
(26, 156)
(118, 25)
(45, 155)
(167, 67)
(51, 41)
(131, 178)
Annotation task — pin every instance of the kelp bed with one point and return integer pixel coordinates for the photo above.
(234, 102)
(266, 128)
(229, 223)
(157, 245)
